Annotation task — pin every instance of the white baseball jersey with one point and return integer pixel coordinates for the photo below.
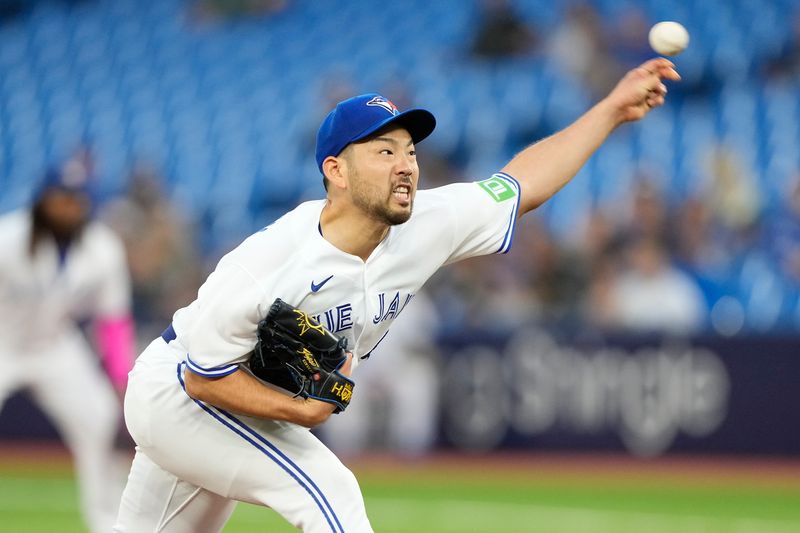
(42, 296)
(42, 349)
(192, 457)
(291, 260)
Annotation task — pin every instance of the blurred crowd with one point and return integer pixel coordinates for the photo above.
(647, 267)
(649, 264)
(652, 262)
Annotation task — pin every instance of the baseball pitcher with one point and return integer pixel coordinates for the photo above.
(221, 403)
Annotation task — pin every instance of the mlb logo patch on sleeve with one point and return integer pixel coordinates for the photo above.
(498, 188)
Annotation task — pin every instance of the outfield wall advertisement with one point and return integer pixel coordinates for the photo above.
(649, 397)
(533, 391)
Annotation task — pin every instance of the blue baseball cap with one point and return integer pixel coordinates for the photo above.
(359, 117)
(75, 181)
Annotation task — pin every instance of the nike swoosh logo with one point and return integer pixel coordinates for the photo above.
(318, 286)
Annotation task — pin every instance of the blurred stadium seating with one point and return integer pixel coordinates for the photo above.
(228, 110)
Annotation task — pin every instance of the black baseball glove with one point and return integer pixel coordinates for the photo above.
(296, 353)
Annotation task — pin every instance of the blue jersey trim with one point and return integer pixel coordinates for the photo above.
(169, 334)
(508, 238)
(266, 452)
(215, 372)
(275, 449)
(366, 356)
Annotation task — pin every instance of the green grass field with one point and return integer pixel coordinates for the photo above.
(510, 494)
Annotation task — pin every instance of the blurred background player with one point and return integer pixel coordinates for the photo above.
(59, 270)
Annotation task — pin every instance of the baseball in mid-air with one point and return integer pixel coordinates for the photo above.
(668, 38)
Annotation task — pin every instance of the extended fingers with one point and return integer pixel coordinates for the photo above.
(650, 82)
(661, 68)
(653, 86)
(656, 64)
(656, 91)
(669, 73)
(659, 89)
(654, 100)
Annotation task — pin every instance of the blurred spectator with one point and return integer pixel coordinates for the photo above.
(554, 274)
(648, 213)
(502, 32)
(165, 267)
(482, 293)
(700, 247)
(785, 66)
(60, 269)
(784, 232)
(10, 9)
(598, 238)
(697, 245)
(227, 9)
(649, 295)
(580, 45)
(396, 400)
(598, 248)
(598, 301)
(731, 190)
(733, 197)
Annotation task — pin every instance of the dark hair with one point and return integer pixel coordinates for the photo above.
(41, 227)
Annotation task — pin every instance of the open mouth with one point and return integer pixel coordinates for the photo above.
(402, 193)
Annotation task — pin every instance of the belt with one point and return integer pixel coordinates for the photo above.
(169, 334)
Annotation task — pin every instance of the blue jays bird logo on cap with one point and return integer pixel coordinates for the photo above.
(380, 101)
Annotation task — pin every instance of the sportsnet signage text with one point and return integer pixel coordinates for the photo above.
(528, 390)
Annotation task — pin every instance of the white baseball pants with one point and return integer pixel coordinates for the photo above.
(194, 461)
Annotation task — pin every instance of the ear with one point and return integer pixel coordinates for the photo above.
(335, 169)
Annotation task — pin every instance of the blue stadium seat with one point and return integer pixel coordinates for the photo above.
(237, 103)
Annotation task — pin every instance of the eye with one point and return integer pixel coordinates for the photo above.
(412, 153)
(386, 151)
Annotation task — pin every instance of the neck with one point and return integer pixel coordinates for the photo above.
(351, 231)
